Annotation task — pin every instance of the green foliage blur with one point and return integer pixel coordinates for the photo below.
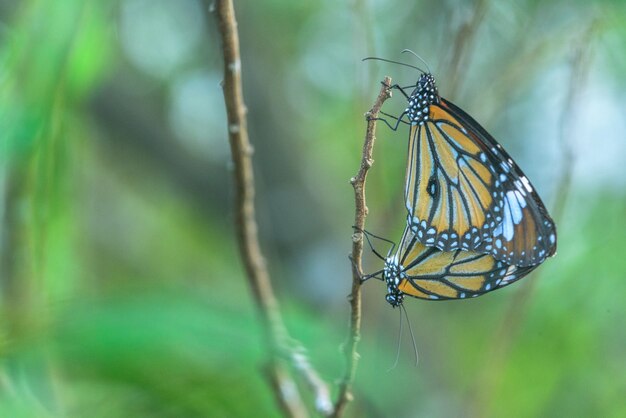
(122, 291)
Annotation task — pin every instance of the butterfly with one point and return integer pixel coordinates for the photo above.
(423, 272)
(430, 273)
(463, 191)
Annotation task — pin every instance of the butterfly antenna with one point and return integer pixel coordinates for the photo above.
(393, 62)
(417, 358)
(419, 58)
(395, 363)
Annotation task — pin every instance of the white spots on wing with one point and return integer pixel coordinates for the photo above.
(507, 226)
(552, 238)
(514, 206)
(506, 167)
(520, 187)
(514, 202)
(502, 178)
(483, 157)
(526, 183)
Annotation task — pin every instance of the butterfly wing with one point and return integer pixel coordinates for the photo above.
(526, 235)
(429, 273)
(463, 191)
(449, 185)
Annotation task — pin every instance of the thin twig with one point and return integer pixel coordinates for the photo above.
(502, 340)
(286, 392)
(257, 273)
(358, 183)
(319, 388)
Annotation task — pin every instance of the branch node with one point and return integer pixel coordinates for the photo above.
(234, 66)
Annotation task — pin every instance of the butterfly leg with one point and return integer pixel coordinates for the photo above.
(364, 277)
(398, 120)
(401, 89)
(367, 238)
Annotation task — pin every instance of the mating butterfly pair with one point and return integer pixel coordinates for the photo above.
(475, 222)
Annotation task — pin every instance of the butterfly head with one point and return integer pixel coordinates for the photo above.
(424, 94)
(393, 275)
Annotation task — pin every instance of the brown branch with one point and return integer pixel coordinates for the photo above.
(257, 273)
(286, 392)
(502, 340)
(358, 183)
(304, 369)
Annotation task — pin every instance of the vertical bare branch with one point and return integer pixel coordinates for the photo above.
(358, 183)
(257, 273)
(503, 338)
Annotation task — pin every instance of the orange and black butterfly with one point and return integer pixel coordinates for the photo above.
(423, 272)
(430, 273)
(462, 190)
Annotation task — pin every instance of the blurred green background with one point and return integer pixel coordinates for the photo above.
(122, 292)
